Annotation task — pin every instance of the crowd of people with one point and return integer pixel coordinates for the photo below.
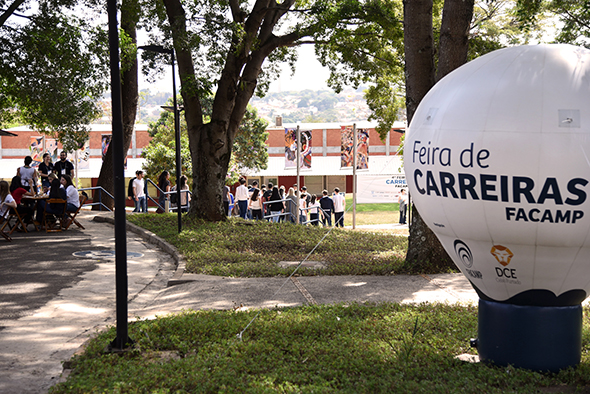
(278, 204)
(56, 183)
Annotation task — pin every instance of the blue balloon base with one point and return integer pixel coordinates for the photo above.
(533, 337)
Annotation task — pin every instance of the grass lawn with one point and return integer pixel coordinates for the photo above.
(345, 348)
(385, 348)
(253, 248)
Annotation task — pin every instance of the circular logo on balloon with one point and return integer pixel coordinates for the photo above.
(502, 254)
(464, 253)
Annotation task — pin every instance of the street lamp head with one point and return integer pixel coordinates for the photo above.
(170, 108)
(156, 48)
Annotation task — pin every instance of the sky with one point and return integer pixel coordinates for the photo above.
(309, 74)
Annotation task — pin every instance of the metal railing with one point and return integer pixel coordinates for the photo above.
(94, 202)
(289, 212)
(170, 208)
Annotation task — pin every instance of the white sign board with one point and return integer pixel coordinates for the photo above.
(379, 189)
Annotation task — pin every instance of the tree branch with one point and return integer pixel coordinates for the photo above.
(13, 7)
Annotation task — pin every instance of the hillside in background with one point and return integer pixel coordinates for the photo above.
(305, 106)
(309, 106)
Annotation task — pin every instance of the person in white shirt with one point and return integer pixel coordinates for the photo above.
(73, 198)
(6, 200)
(339, 205)
(403, 206)
(28, 174)
(242, 198)
(138, 193)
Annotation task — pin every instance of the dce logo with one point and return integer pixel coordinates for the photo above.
(503, 255)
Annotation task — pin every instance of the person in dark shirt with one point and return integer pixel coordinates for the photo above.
(63, 166)
(328, 207)
(45, 168)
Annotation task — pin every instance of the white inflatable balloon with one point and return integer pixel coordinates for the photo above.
(497, 159)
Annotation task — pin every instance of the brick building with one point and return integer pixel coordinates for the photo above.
(326, 172)
(28, 142)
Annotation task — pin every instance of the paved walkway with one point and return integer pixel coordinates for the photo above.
(35, 343)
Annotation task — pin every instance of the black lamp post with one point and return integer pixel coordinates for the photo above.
(161, 49)
(122, 340)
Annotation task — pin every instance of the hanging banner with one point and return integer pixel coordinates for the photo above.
(380, 188)
(362, 149)
(36, 150)
(51, 148)
(83, 156)
(105, 141)
(291, 149)
(347, 148)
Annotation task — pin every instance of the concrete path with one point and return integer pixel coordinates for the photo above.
(35, 342)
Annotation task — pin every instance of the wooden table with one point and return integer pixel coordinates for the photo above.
(36, 199)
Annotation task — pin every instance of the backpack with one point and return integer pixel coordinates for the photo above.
(130, 187)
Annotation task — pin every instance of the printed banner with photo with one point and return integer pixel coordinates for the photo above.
(347, 148)
(380, 188)
(105, 141)
(104, 144)
(36, 149)
(291, 149)
(83, 156)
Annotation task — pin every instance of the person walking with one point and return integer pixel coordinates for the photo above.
(403, 206)
(242, 198)
(138, 193)
(327, 205)
(339, 206)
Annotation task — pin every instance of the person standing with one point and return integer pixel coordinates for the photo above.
(185, 196)
(339, 206)
(28, 174)
(242, 198)
(266, 197)
(138, 193)
(256, 204)
(403, 206)
(63, 166)
(314, 210)
(276, 206)
(303, 206)
(226, 199)
(164, 185)
(292, 205)
(45, 168)
(327, 207)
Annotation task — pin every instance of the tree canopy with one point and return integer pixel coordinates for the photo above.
(248, 153)
(53, 70)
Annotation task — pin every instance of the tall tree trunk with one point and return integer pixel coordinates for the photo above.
(129, 99)
(211, 144)
(424, 247)
(454, 35)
